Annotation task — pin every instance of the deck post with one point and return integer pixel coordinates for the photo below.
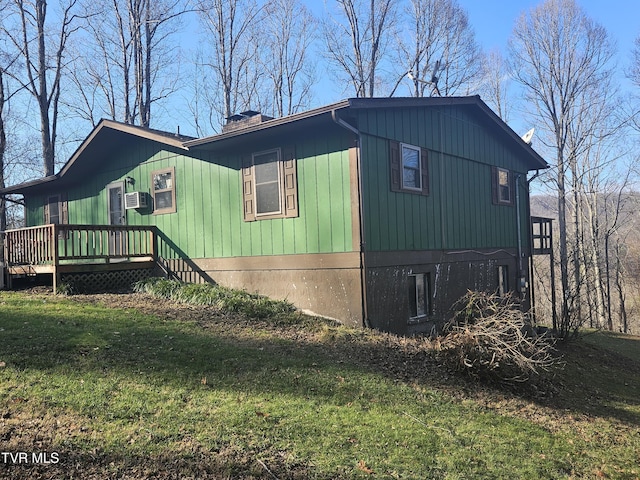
(153, 238)
(53, 242)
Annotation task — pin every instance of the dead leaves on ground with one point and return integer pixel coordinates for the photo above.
(363, 467)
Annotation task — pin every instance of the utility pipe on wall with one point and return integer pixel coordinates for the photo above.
(363, 280)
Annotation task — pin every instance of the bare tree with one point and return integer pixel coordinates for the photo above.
(494, 86)
(43, 61)
(229, 26)
(3, 147)
(288, 33)
(439, 34)
(127, 67)
(356, 41)
(562, 58)
(634, 69)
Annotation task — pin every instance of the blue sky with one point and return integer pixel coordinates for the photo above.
(493, 20)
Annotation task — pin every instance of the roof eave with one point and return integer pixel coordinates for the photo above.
(104, 124)
(276, 122)
(176, 142)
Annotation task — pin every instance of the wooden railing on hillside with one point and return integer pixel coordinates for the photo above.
(57, 244)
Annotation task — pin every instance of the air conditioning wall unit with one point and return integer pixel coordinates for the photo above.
(135, 200)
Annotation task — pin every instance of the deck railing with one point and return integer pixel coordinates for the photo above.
(55, 244)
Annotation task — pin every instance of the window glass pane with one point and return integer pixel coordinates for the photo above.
(504, 189)
(505, 194)
(54, 210)
(162, 181)
(410, 167)
(503, 280)
(413, 311)
(267, 198)
(410, 178)
(503, 178)
(163, 200)
(267, 172)
(410, 158)
(268, 157)
(421, 304)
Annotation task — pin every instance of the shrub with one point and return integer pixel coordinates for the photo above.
(225, 299)
(490, 336)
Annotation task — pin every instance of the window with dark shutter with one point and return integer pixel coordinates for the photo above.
(270, 185)
(248, 202)
(56, 210)
(409, 169)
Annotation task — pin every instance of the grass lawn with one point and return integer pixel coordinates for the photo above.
(100, 389)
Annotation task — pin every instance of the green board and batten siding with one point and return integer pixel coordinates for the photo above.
(458, 213)
(208, 222)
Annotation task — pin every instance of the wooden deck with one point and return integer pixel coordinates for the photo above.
(57, 249)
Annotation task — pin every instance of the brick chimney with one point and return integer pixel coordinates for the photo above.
(244, 120)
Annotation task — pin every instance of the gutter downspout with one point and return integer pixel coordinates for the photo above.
(363, 281)
(527, 182)
(521, 276)
(531, 291)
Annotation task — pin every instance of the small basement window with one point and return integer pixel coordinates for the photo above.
(164, 190)
(419, 296)
(503, 280)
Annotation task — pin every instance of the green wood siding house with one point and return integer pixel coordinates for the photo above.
(376, 212)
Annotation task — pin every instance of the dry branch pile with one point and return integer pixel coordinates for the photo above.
(490, 337)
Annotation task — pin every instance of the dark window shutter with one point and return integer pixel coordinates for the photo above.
(395, 166)
(64, 209)
(495, 194)
(248, 197)
(424, 159)
(45, 210)
(290, 181)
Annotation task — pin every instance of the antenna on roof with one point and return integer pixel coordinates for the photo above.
(433, 81)
(528, 137)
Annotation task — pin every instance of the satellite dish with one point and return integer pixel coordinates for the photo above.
(528, 137)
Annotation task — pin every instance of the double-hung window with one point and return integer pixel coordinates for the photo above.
(269, 184)
(409, 168)
(502, 186)
(55, 209)
(164, 190)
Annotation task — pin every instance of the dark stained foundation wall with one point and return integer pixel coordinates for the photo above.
(451, 274)
(327, 285)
